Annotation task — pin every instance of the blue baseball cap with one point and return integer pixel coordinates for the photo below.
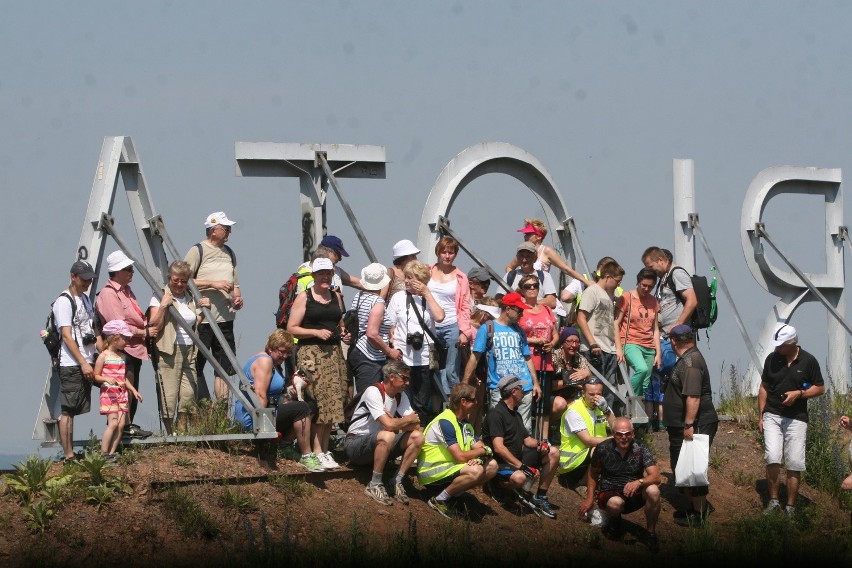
(335, 244)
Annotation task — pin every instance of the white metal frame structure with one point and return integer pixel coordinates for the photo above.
(118, 159)
(503, 158)
(793, 287)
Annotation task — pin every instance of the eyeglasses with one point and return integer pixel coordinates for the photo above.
(530, 286)
(516, 308)
(575, 340)
(405, 378)
(624, 434)
(284, 351)
(127, 269)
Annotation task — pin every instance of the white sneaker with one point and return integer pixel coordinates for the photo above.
(327, 460)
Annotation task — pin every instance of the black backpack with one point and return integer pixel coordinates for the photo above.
(704, 315)
(51, 336)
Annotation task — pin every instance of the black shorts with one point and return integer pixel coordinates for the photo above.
(75, 391)
(630, 503)
(205, 333)
(291, 412)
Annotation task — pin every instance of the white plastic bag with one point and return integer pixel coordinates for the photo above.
(691, 470)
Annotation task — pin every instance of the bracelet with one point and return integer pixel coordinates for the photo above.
(802, 391)
(688, 426)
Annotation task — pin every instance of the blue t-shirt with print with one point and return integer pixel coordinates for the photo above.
(509, 350)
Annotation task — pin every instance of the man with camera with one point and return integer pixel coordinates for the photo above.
(521, 458)
(507, 352)
(75, 316)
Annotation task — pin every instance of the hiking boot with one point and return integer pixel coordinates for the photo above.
(653, 542)
(790, 510)
(399, 494)
(544, 506)
(378, 493)
(613, 529)
(327, 460)
(440, 506)
(311, 463)
(134, 431)
(772, 507)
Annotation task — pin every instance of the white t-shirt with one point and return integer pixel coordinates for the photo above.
(445, 295)
(404, 321)
(84, 315)
(187, 314)
(365, 418)
(574, 422)
(601, 317)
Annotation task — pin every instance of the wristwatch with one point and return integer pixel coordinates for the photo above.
(687, 426)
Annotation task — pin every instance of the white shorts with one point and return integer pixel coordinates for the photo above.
(784, 437)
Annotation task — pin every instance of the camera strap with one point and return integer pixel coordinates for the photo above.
(423, 325)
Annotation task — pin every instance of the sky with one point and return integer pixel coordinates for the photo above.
(604, 94)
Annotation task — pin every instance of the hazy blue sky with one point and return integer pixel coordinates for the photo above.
(604, 94)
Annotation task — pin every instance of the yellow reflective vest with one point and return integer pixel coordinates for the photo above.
(435, 461)
(572, 450)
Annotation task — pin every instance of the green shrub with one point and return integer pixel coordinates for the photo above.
(190, 517)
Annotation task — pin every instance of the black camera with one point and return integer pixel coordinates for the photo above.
(415, 340)
(89, 339)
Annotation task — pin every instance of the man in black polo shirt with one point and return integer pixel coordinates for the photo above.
(687, 410)
(791, 375)
(519, 455)
(628, 476)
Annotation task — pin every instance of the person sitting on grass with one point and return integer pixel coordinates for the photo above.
(265, 373)
(384, 426)
(583, 427)
(453, 458)
(629, 479)
(521, 458)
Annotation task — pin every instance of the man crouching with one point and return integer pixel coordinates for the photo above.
(384, 426)
(629, 480)
(452, 456)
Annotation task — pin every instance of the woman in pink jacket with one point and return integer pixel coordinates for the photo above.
(450, 288)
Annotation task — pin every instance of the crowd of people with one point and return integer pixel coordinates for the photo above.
(438, 374)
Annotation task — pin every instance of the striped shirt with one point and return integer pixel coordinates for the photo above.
(364, 302)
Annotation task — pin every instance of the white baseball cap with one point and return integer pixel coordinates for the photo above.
(217, 218)
(783, 333)
(117, 261)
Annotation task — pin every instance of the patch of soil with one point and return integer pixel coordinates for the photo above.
(248, 504)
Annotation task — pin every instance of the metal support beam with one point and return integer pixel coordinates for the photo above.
(273, 159)
(696, 228)
(760, 229)
(322, 160)
(443, 226)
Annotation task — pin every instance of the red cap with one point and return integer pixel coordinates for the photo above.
(530, 228)
(515, 300)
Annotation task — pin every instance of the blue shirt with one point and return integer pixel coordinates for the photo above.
(507, 356)
(276, 387)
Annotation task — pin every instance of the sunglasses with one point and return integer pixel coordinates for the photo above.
(594, 381)
(404, 378)
(469, 399)
(625, 434)
(530, 286)
(128, 269)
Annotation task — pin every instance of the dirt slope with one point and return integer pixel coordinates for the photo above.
(330, 518)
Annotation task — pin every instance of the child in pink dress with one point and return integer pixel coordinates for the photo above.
(109, 374)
